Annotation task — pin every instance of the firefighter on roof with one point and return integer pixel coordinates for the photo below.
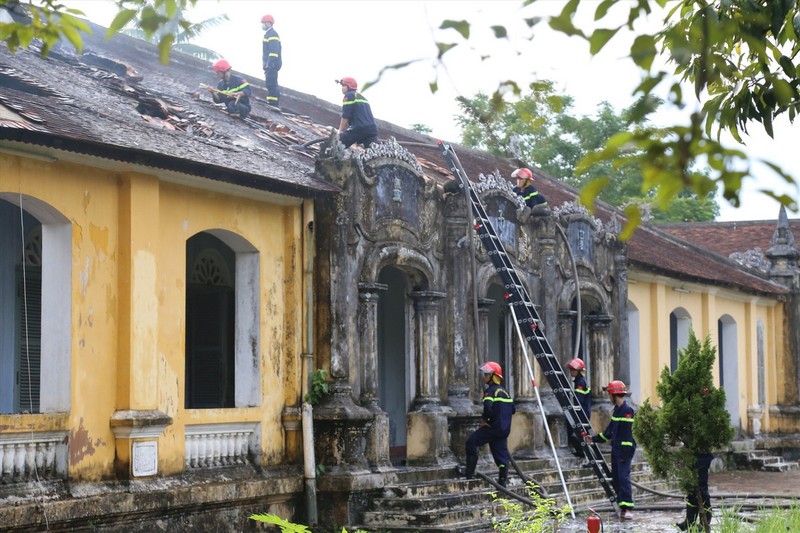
(357, 124)
(232, 90)
(525, 188)
(498, 407)
(271, 59)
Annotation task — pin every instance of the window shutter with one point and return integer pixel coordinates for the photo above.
(29, 337)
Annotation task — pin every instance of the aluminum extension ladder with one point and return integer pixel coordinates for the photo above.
(524, 312)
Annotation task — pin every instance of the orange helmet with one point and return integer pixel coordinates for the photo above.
(616, 387)
(492, 368)
(221, 65)
(268, 18)
(522, 173)
(576, 364)
(350, 83)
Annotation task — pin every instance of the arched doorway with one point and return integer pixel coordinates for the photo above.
(393, 357)
(729, 366)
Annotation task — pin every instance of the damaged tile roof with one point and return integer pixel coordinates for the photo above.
(655, 251)
(117, 101)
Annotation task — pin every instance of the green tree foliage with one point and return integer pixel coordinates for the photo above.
(183, 36)
(50, 20)
(691, 418)
(739, 57)
(539, 128)
(421, 128)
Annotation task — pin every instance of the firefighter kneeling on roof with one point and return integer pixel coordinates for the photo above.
(498, 407)
(357, 124)
(232, 90)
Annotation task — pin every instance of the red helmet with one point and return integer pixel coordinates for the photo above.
(268, 18)
(221, 65)
(350, 83)
(492, 368)
(576, 364)
(616, 387)
(522, 173)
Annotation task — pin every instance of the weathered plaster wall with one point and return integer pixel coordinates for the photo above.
(129, 235)
(655, 298)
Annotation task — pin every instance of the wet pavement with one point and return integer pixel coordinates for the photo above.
(758, 485)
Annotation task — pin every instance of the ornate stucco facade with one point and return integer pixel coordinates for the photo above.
(405, 318)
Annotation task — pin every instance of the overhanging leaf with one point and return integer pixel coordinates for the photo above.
(461, 26)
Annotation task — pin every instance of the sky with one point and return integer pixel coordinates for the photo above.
(326, 40)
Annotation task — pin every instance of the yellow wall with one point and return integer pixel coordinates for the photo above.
(655, 298)
(129, 234)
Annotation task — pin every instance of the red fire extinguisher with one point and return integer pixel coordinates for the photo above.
(594, 524)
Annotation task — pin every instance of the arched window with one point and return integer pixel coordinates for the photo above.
(635, 354)
(680, 323)
(222, 322)
(35, 306)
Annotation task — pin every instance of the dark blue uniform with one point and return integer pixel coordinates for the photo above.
(227, 88)
(361, 127)
(498, 407)
(584, 394)
(531, 195)
(702, 464)
(272, 62)
(620, 434)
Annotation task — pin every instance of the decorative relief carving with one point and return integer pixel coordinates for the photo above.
(753, 259)
(388, 150)
(210, 268)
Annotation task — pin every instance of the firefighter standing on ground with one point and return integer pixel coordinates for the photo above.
(357, 124)
(525, 188)
(498, 407)
(620, 434)
(271, 59)
(232, 90)
(584, 393)
(702, 465)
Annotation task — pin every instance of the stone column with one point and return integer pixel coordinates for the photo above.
(466, 419)
(138, 422)
(377, 446)
(426, 306)
(602, 360)
(619, 335)
(548, 306)
(527, 428)
(428, 440)
(458, 322)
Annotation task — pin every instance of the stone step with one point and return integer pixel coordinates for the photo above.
(433, 499)
(781, 466)
(764, 460)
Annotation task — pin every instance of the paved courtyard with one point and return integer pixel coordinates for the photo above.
(742, 482)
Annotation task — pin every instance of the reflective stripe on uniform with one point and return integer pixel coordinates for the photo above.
(621, 419)
(356, 101)
(626, 443)
(235, 89)
(605, 439)
(531, 195)
(580, 391)
(504, 400)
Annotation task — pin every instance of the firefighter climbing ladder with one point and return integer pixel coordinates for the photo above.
(528, 320)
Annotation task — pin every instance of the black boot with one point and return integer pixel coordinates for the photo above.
(472, 462)
(502, 479)
(691, 518)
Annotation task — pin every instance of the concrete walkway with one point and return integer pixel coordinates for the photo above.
(737, 482)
